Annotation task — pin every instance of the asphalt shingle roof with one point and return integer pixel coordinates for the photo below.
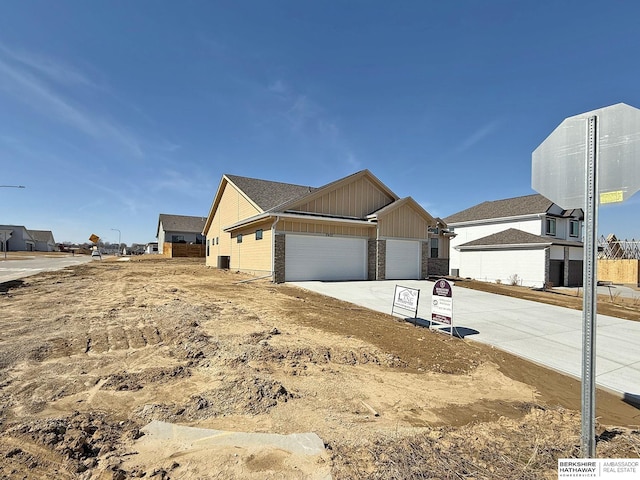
(267, 194)
(511, 236)
(181, 223)
(510, 207)
(41, 235)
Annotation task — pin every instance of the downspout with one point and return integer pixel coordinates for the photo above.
(273, 249)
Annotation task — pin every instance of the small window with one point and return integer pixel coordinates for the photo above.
(259, 234)
(217, 240)
(434, 248)
(208, 245)
(551, 226)
(574, 228)
(239, 238)
(177, 239)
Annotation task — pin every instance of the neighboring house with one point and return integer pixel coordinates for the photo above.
(44, 240)
(355, 228)
(16, 238)
(151, 248)
(526, 240)
(179, 229)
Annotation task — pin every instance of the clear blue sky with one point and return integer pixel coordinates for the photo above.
(112, 112)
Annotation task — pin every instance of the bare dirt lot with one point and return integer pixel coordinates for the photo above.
(90, 355)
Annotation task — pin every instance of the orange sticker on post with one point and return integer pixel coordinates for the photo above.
(612, 197)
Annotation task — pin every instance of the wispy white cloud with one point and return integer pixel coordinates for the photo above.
(29, 80)
(308, 119)
(54, 70)
(125, 198)
(192, 185)
(477, 136)
(353, 161)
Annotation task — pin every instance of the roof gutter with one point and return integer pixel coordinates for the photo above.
(482, 221)
(273, 249)
(280, 216)
(518, 246)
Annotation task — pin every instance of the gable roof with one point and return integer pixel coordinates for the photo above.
(266, 194)
(318, 192)
(397, 204)
(509, 207)
(41, 235)
(514, 237)
(180, 223)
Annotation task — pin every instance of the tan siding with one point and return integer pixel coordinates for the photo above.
(403, 222)
(356, 199)
(232, 208)
(252, 256)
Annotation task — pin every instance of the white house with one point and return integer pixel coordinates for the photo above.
(44, 240)
(526, 240)
(16, 238)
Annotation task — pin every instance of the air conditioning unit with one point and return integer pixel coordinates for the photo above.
(224, 261)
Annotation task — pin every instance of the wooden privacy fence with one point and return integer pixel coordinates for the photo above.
(619, 271)
(174, 250)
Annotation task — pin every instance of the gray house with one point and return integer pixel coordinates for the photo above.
(179, 229)
(44, 240)
(16, 238)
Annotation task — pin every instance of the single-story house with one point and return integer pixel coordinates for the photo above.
(16, 238)
(526, 240)
(44, 240)
(179, 229)
(354, 228)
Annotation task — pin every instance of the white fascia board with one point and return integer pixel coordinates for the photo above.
(533, 216)
(514, 246)
(312, 218)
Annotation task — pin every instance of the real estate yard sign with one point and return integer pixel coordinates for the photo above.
(442, 303)
(405, 298)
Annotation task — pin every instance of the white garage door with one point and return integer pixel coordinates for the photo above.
(311, 257)
(402, 260)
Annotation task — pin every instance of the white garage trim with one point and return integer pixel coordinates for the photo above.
(403, 260)
(312, 257)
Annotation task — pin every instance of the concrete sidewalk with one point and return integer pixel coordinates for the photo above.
(545, 334)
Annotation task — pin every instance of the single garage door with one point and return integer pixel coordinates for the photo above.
(402, 260)
(310, 257)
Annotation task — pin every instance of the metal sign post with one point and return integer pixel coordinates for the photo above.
(590, 298)
(589, 159)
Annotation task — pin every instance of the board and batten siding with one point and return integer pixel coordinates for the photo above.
(233, 207)
(403, 222)
(355, 199)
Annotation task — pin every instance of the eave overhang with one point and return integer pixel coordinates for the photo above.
(298, 216)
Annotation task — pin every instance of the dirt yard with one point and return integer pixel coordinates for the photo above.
(89, 356)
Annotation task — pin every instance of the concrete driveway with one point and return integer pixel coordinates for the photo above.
(545, 334)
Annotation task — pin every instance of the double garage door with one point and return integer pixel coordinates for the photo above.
(309, 257)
